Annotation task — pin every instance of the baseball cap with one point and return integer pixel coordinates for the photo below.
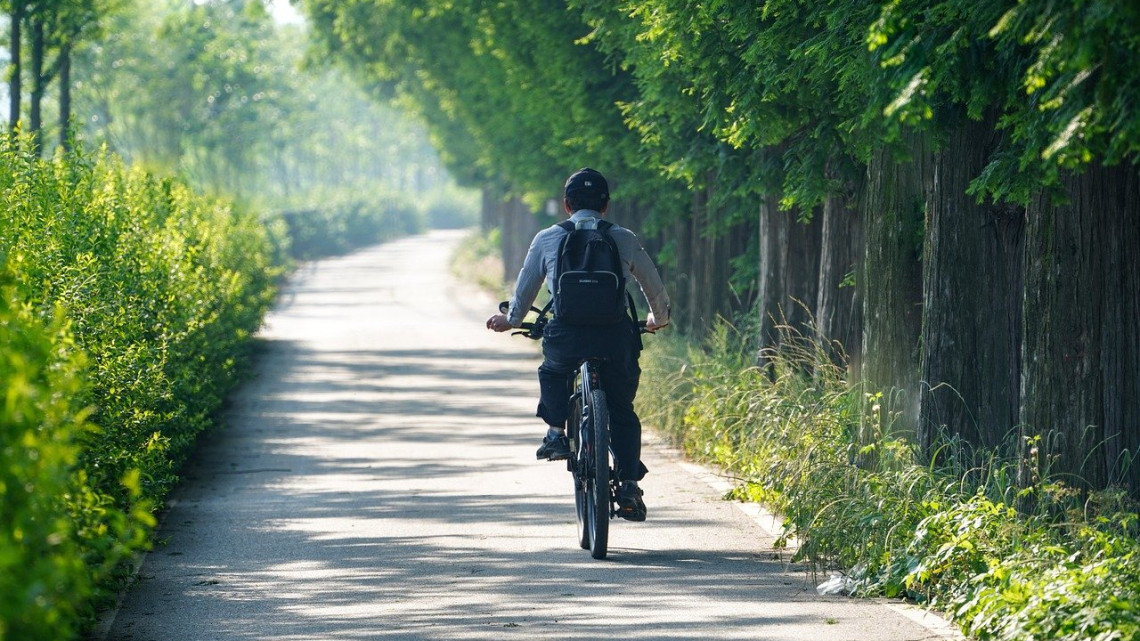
(587, 183)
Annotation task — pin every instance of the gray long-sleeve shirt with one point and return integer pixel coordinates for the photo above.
(542, 259)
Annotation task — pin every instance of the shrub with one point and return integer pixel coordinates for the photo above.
(451, 210)
(41, 565)
(339, 226)
(157, 290)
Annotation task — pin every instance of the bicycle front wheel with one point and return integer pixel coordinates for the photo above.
(598, 481)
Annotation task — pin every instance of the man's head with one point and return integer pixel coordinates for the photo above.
(586, 189)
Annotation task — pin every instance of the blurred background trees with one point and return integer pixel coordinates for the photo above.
(215, 92)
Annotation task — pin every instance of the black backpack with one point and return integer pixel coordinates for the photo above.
(589, 280)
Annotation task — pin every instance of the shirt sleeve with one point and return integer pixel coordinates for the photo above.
(530, 279)
(641, 267)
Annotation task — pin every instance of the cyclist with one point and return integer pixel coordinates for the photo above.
(585, 197)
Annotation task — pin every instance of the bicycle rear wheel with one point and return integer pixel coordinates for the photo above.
(598, 478)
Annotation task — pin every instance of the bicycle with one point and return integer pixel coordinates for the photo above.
(591, 461)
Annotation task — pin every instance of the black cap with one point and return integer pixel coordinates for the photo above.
(587, 183)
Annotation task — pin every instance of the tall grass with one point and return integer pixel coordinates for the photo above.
(478, 260)
(826, 454)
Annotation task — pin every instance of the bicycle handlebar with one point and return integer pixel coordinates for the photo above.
(534, 330)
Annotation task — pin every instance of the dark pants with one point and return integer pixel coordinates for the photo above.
(563, 348)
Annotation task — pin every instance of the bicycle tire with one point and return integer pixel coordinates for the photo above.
(598, 480)
(578, 467)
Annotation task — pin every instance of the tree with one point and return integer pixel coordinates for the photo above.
(54, 29)
(16, 9)
(1046, 122)
(930, 139)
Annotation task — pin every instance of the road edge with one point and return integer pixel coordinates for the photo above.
(773, 525)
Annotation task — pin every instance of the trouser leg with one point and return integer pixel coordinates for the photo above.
(563, 348)
(555, 380)
(620, 378)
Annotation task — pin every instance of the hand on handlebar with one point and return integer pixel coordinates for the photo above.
(651, 323)
(499, 323)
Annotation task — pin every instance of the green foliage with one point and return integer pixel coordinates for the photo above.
(827, 457)
(154, 291)
(1056, 73)
(218, 94)
(42, 576)
(512, 93)
(451, 210)
(477, 260)
(334, 228)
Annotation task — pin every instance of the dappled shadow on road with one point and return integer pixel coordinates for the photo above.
(336, 508)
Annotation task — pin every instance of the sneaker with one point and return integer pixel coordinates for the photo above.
(554, 448)
(630, 505)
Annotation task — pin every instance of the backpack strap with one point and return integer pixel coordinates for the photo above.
(603, 225)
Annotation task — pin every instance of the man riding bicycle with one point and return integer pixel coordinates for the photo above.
(586, 199)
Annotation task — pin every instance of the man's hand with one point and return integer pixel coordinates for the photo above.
(651, 323)
(499, 323)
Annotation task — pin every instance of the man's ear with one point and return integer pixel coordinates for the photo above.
(566, 206)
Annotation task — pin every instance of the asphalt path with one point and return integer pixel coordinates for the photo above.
(377, 480)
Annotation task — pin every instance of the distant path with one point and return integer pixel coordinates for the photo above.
(377, 481)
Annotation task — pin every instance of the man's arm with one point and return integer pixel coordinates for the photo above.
(530, 279)
(645, 272)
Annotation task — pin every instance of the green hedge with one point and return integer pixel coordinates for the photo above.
(126, 311)
(338, 226)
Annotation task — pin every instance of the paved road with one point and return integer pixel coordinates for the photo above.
(377, 481)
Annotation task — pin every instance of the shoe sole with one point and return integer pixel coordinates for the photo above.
(630, 515)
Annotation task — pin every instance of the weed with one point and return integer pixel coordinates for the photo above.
(830, 457)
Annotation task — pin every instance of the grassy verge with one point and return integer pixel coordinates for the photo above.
(477, 261)
(822, 453)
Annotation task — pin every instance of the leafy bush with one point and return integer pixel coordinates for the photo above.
(127, 308)
(339, 226)
(1003, 561)
(39, 557)
(451, 210)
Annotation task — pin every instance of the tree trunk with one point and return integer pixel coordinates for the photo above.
(789, 273)
(972, 284)
(709, 292)
(15, 48)
(839, 311)
(681, 240)
(519, 225)
(891, 281)
(1080, 390)
(35, 120)
(65, 97)
(489, 213)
